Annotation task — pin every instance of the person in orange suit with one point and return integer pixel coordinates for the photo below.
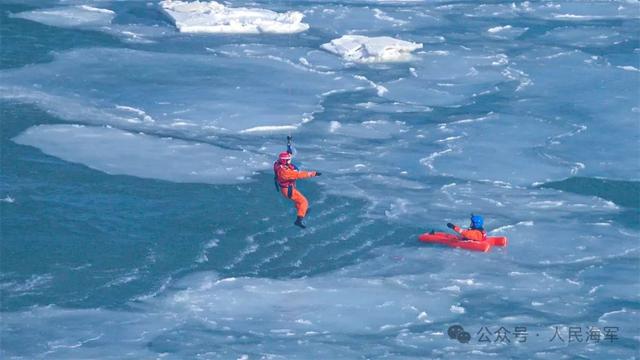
(475, 232)
(286, 175)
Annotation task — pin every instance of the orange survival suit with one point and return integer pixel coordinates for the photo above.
(476, 229)
(471, 234)
(286, 175)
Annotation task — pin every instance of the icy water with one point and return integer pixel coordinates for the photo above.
(139, 218)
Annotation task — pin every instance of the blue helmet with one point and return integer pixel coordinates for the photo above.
(477, 222)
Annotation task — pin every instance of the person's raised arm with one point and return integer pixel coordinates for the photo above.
(454, 228)
(289, 145)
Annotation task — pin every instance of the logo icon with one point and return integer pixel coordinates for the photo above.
(457, 332)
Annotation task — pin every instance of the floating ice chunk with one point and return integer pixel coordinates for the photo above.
(334, 125)
(577, 17)
(272, 129)
(213, 17)
(88, 17)
(70, 16)
(364, 49)
(497, 29)
(263, 91)
(8, 199)
(119, 152)
(457, 309)
(423, 316)
(628, 68)
(506, 32)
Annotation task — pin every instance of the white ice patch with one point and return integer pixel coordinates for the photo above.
(338, 18)
(213, 17)
(98, 19)
(587, 36)
(8, 199)
(519, 135)
(269, 129)
(315, 316)
(342, 299)
(114, 151)
(629, 68)
(505, 32)
(578, 17)
(70, 16)
(570, 10)
(334, 126)
(423, 316)
(364, 49)
(370, 129)
(451, 76)
(497, 29)
(316, 309)
(154, 91)
(559, 76)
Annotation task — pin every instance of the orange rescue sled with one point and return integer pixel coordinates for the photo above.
(458, 242)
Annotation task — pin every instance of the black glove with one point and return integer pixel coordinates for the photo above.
(318, 173)
(450, 225)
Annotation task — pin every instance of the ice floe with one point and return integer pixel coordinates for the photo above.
(114, 151)
(213, 17)
(364, 49)
(70, 16)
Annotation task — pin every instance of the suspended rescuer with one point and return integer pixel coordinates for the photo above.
(286, 174)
